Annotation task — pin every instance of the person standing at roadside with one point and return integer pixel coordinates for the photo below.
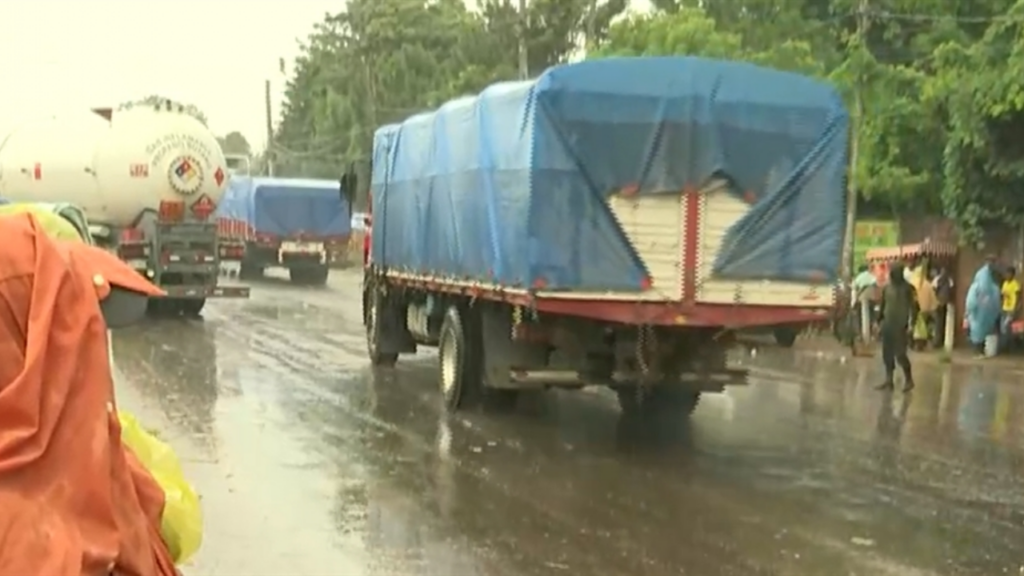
(1011, 300)
(983, 306)
(943, 285)
(896, 310)
(863, 292)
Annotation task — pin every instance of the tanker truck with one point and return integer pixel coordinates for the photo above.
(147, 178)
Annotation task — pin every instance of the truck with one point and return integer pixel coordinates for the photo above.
(302, 225)
(238, 164)
(612, 223)
(147, 178)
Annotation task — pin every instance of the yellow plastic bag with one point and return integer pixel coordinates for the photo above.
(56, 227)
(182, 523)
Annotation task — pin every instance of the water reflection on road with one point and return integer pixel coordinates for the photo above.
(311, 463)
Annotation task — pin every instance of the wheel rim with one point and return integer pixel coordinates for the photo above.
(371, 329)
(449, 364)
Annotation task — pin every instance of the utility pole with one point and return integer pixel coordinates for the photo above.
(270, 128)
(863, 25)
(524, 25)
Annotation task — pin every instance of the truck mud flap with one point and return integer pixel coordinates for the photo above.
(206, 292)
(715, 381)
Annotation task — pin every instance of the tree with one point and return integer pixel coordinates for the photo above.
(980, 92)
(161, 102)
(938, 79)
(691, 31)
(381, 61)
(234, 143)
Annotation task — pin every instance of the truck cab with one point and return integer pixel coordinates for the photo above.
(238, 164)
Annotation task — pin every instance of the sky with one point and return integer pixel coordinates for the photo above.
(62, 55)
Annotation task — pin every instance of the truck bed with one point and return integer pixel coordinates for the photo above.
(635, 178)
(284, 208)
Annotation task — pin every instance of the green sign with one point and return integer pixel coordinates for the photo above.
(869, 234)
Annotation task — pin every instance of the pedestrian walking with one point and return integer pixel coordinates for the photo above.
(983, 306)
(895, 312)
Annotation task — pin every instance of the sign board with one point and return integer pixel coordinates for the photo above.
(869, 234)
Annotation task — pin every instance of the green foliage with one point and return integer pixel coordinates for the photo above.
(234, 143)
(934, 86)
(381, 61)
(161, 102)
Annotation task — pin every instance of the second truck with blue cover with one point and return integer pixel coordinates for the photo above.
(612, 222)
(299, 224)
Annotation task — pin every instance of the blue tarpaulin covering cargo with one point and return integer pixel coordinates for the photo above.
(511, 185)
(287, 206)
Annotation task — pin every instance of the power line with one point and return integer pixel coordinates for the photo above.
(876, 14)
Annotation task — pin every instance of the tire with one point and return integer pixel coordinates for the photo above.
(785, 336)
(192, 307)
(310, 276)
(658, 401)
(461, 376)
(162, 307)
(377, 358)
(458, 368)
(248, 271)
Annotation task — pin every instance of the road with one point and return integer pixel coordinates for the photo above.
(309, 463)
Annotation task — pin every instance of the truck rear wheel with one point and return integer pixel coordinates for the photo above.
(373, 301)
(660, 400)
(162, 307)
(458, 367)
(312, 276)
(192, 307)
(249, 271)
(785, 336)
(461, 374)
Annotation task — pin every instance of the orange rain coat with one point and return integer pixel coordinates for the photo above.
(73, 500)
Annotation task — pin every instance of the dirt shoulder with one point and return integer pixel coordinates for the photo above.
(827, 347)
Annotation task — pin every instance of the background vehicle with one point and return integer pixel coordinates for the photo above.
(148, 179)
(612, 222)
(301, 225)
(238, 164)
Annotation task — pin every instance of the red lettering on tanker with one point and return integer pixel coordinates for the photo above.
(138, 170)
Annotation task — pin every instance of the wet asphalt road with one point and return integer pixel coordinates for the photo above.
(311, 464)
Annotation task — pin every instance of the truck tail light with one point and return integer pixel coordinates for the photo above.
(131, 251)
(232, 252)
(131, 235)
(171, 211)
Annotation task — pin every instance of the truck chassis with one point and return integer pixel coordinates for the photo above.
(491, 348)
(180, 255)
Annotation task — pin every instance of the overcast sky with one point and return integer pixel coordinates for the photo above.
(66, 54)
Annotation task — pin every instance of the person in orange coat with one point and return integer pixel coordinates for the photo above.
(73, 500)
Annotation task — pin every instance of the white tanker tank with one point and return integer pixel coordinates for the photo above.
(114, 165)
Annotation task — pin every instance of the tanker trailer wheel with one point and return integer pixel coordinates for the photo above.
(459, 365)
(658, 401)
(192, 307)
(374, 301)
(249, 271)
(785, 336)
(311, 276)
(318, 276)
(162, 307)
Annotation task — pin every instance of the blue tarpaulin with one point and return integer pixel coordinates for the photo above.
(511, 185)
(287, 206)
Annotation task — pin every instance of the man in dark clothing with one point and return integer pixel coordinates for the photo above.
(897, 308)
(943, 284)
